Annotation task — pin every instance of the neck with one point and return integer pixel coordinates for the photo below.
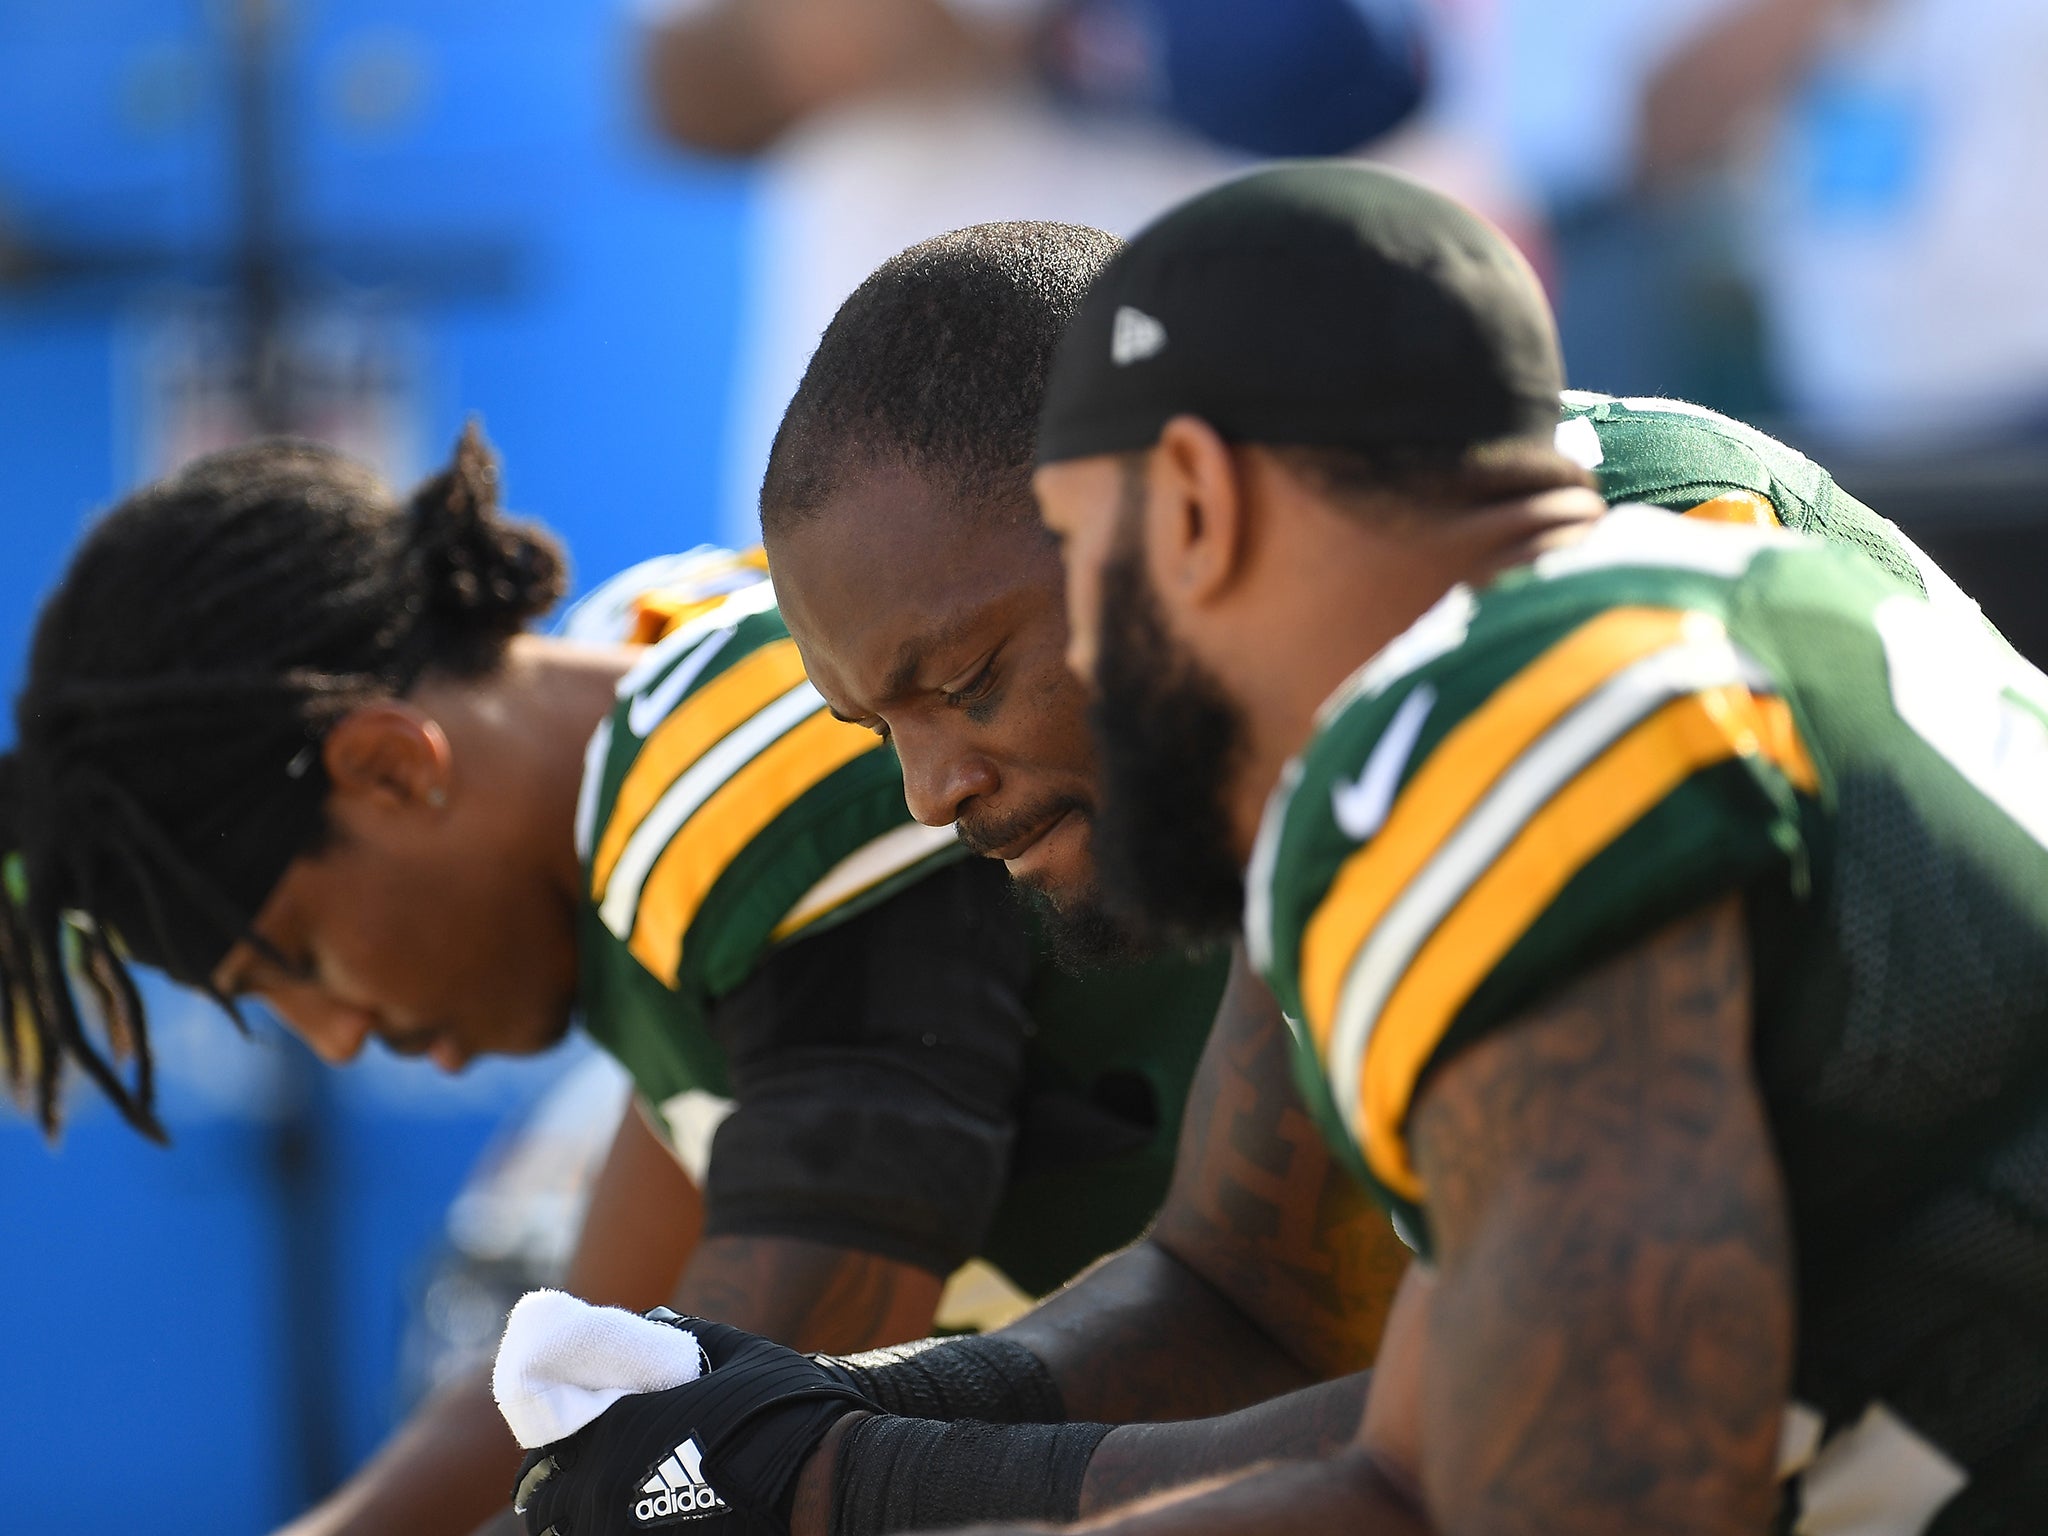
(535, 714)
(1351, 586)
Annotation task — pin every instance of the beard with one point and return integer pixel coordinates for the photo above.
(1081, 932)
(1169, 740)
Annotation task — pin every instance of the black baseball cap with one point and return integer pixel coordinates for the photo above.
(1318, 303)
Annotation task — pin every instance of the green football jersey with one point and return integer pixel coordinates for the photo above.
(1686, 458)
(725, 813)
(1541, 773)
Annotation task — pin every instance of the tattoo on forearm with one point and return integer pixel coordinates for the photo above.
(1267, 1270)
(1611, 1337)
(1261, 1210)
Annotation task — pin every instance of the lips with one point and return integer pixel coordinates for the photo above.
(1016, 849)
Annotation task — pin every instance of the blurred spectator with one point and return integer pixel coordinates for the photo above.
(1285, 77)
(1903, 204)
(882, 122)
(1648, 290)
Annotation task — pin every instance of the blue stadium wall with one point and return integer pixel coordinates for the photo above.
(211, 1333)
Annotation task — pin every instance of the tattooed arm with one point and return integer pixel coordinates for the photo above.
(1610, 1342)
(452, 1462)
(1268, 1267)
(1607, 1343)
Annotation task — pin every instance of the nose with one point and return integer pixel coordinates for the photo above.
(335, 1032)
(938, 778)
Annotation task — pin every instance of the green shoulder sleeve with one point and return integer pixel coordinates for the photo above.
(1686, 458)
(1525, 782)
(726, 812)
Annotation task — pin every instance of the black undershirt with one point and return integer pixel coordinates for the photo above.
(878, 1069)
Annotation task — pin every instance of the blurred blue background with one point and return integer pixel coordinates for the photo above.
(477, 203)
(367, 219)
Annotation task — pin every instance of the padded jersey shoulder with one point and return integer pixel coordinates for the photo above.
(723, 810)
(1686, 458)
(1528, 778)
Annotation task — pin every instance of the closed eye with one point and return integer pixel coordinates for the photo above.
(977, 688)
(879, 727)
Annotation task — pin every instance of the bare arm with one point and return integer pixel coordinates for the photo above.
(1607, 1344)
(1737, 66)
(1268, 1270)
(1610, 1342)
(811, 1296)
(1268, 1267)
(731, 78)
(450, 1465)
(1348, 1492)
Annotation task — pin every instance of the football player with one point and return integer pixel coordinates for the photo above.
(284, 737)
(1659, 904)
(960, 665)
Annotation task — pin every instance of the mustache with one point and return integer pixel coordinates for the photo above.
(983, 834)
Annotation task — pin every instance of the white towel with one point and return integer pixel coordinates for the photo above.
(563, 1362)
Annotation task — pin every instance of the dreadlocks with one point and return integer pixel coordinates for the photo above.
(210, 630)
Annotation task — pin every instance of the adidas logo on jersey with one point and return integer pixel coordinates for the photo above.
(1135, 336)
(676, 1489)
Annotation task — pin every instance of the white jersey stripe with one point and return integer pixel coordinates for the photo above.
(595, 752)
(1553, 761)
(866, 867)
(1265, 863)
(758, 598)
(691, 789)
(649, 709)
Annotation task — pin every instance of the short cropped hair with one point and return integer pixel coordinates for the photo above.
(937, 364)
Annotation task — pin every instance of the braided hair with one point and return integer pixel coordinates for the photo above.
(209, 631)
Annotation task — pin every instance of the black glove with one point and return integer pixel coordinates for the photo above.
(721, 1452)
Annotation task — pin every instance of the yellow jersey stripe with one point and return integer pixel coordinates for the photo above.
(1742, 507)
(1458, 774)
(726, 823)
(1602, 802)
(659, 612)
(692, 728)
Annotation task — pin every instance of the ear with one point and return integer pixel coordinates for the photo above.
(388, 756)
(1196, 512)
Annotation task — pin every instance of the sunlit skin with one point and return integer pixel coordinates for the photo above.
(942, 628)
(440, 917)
(1275, 589)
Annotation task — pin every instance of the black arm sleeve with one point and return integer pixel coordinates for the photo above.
(877, 1069)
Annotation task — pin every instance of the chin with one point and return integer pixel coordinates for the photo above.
(1060, 867)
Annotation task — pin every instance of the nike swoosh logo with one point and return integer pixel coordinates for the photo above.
(1362, 805)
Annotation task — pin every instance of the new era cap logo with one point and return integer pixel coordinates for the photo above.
(1134, 336)
(676, 1489)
